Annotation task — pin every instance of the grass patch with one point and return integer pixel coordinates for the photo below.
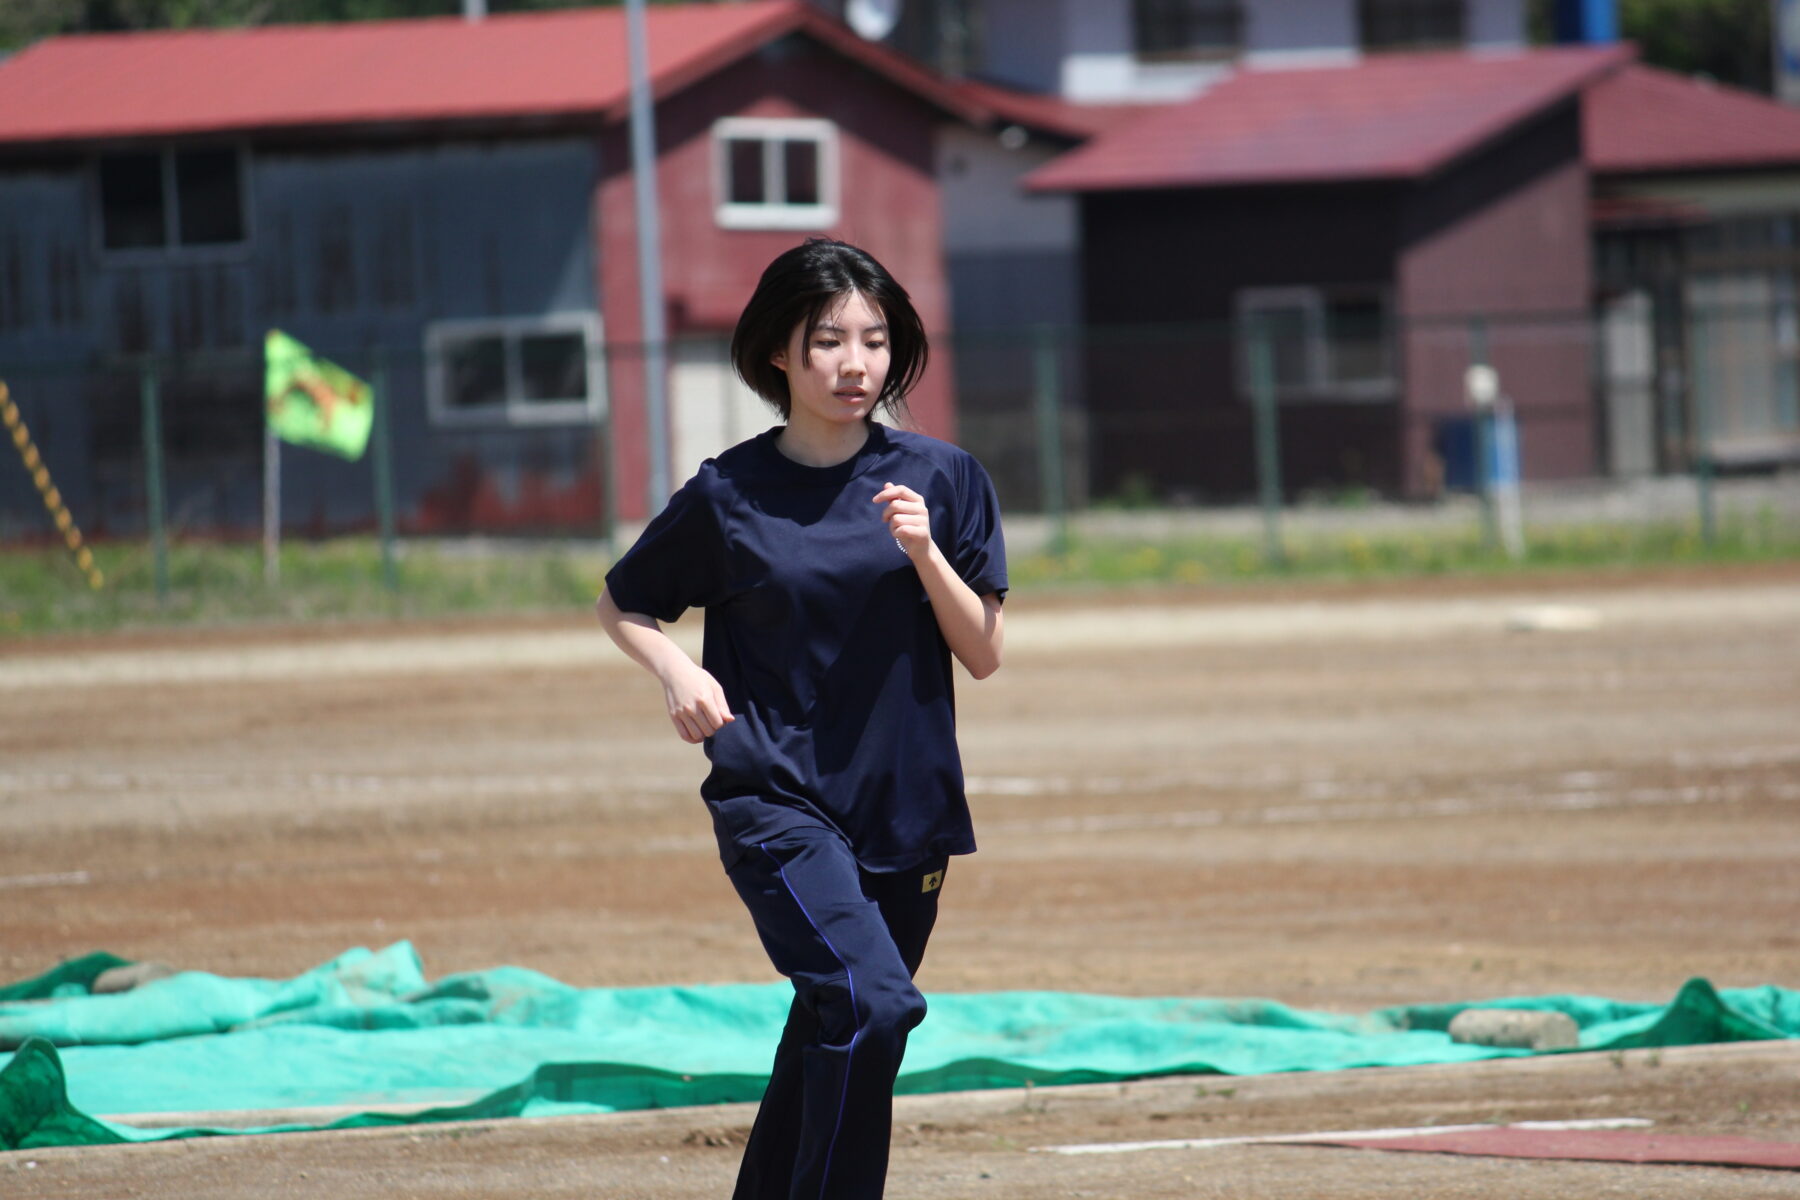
(1410, 554)
(41, 591)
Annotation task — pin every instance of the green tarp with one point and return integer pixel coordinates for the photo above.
(368, 1030)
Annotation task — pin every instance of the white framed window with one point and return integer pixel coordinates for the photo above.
(775, 172)
(542, 370)
(1325, 343)
(160, 200)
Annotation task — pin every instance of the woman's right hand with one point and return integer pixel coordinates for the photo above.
(696, 701)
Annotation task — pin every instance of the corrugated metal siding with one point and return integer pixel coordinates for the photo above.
(46, 301)
(44, 262)
(1506, 237)
(348, 251)
(1160, 273)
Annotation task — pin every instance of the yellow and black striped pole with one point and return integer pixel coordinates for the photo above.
(40, 475)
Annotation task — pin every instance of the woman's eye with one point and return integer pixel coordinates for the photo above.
(877, 345)
(825, 343)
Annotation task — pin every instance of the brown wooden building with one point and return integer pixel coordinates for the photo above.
(1384, 221)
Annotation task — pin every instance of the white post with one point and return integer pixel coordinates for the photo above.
(649, 247)
(1506, 479)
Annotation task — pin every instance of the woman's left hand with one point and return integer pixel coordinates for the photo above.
(907, 519)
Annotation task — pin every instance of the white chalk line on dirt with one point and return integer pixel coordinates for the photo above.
(1010, 786)
(1450, 806)
(1340, 1135)
(645, 791)
(52, 879)
(1391, 618)
(328, 781)
(1107, 823)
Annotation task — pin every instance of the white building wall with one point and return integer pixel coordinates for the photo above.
(984, 206)
(1013, 256)
(1025, 42)
(1295, 32)
(1083, 49)
(1100, 65)
(1496, 24)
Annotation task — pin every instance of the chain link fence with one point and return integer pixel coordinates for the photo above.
(1332, 418)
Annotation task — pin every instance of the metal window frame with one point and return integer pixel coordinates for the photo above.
(515, 410)
(1249, 302)
(1191, 54)
(172, 250)
(1412, 9)
(1375, 389)
(774, 212)
(1320, 383)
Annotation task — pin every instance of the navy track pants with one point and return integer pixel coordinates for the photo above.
(850, 941)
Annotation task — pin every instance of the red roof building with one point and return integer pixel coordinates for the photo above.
(1643, 121)
(1696, 217)
(459, 194)
(1050, 115)
(530, 67)
(1457, 202)
(1383, 118)
(1370, 217)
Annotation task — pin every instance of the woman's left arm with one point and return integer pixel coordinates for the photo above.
(972, 625)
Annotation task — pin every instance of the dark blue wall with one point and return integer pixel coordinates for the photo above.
(350, 250)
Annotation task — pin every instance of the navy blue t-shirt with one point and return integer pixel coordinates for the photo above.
(821, 634)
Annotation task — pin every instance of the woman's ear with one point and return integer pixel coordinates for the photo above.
(779, 360)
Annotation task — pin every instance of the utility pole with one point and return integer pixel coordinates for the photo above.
(649, 246)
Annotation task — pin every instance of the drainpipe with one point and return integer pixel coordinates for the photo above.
(1587, 22)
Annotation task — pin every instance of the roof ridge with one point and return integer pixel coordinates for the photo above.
(1383, 117)
(589, 12)
(429, 71)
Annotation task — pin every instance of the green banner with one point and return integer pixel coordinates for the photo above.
(313, 402)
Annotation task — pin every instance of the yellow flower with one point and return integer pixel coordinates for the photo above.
(1145, 560)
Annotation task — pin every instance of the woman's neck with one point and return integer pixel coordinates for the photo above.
(819, 444)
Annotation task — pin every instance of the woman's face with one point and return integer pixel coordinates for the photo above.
(836, 378)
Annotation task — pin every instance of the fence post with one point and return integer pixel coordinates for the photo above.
(1268, 444)
(1700, 424)
(384, 470)
(150, 404)
(1048, 398)
(609, 486)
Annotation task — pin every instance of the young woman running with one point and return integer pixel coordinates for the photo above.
(841, 565)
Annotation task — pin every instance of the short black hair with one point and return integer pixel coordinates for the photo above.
(799, 287)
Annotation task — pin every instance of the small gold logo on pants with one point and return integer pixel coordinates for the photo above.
(932, 882)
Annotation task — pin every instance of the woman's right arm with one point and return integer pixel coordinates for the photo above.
(696, 701)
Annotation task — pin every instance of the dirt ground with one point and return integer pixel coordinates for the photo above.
(1339, 798)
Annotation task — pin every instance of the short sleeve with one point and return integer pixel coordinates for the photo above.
(678, 562)
(980, 558)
